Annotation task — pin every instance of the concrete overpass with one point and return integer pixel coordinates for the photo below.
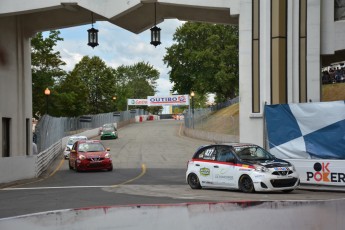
(282, 45)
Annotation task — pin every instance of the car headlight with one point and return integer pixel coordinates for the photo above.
(113, 132)
(293, 168)
(260, 168)
(81, 157)
(107, 155)
(101, 133)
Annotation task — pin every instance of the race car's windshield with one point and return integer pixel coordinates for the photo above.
(91, 147)
(71, 141)
(253, 153)
(108, 129)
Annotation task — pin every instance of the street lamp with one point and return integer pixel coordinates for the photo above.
(92, 35)
(114, 99)
(192, 94)
(155, 32)
(47, 93)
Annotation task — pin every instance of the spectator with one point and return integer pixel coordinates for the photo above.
(34, 148)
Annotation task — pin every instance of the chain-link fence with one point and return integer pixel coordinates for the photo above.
(51, 129)
(201, 119)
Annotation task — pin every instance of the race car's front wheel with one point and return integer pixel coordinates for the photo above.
(246, 184)
(193, 181)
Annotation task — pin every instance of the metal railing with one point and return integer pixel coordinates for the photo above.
(45, 158)
(201, 115)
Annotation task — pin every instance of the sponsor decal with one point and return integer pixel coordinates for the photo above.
(170, 100)
(241, 169)
(322, 173)
(205, 171)
(224, 177)
(137, 101)
(259, 176)
(281, 169)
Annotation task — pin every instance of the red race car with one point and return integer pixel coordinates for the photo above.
(90, 155)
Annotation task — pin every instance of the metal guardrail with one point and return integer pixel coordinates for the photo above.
(45, 158)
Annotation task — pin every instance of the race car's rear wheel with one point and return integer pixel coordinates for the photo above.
(193, 181)
(246, 184)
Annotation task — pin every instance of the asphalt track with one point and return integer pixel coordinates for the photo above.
(150, 161)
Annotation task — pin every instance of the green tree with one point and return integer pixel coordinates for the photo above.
(71, 97)
(204, 59)
(95, 86)
(136, 81)
(46, 68)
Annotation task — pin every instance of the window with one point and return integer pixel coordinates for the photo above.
(28, 129)
(6, 126)
(208, 153)
(224, 154)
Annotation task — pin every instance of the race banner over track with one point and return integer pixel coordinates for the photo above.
(168, 100)
(136, 101)
(307, 130)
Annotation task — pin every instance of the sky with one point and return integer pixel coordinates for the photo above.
(118, 46)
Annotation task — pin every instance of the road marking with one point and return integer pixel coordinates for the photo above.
(143, 171)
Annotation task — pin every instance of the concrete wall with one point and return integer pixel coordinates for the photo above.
(210, 136)
(285, 215)
(15, 85)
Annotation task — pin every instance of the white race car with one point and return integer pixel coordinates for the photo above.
(70, 143)
(247, 167)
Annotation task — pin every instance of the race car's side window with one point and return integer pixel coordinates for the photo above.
(208, 153)
(224, 154)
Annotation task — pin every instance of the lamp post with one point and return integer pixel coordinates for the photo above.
(114, 99)
(192, 94)
(47, 93)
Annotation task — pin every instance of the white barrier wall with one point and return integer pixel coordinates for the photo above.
(237, 215)
(17, 168)
(320, 171)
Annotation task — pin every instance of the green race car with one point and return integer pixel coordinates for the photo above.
(109, 132)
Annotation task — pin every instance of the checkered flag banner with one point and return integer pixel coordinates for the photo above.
(306, 130)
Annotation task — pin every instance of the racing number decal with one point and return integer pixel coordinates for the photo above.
(208, 155)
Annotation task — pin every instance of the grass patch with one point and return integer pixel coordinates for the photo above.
(333, 92)
(224, 121)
